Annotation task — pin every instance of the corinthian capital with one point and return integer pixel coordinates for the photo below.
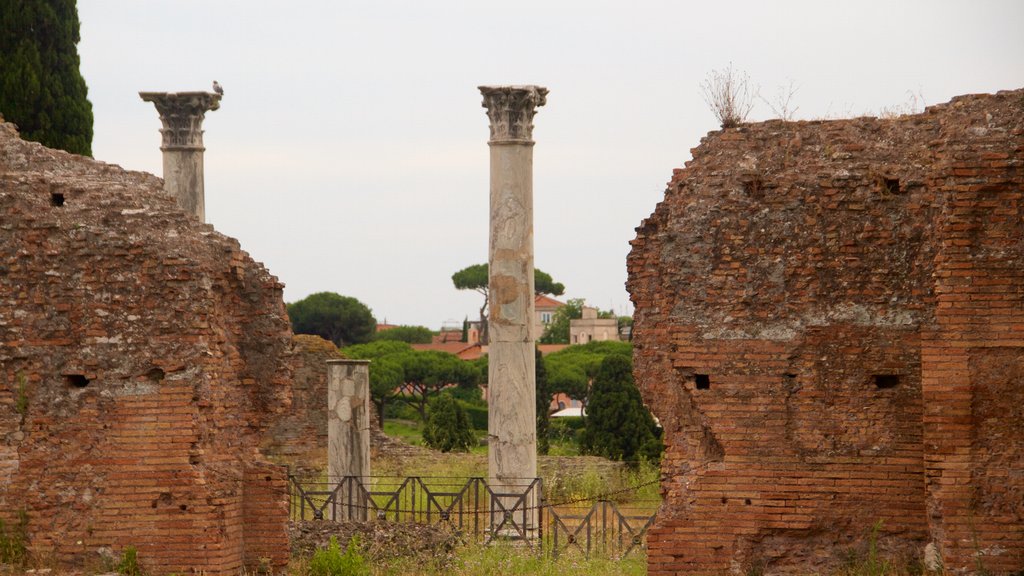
(181, 114)
(511, 109)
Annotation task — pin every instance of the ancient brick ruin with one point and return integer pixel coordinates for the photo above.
(830, 328)
(142, 358)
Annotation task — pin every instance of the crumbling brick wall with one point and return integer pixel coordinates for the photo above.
(827, 314)
(297, 438)
(142, 356)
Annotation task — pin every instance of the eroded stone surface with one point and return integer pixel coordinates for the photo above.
(826, 313)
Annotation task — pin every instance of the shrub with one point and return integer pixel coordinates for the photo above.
(331, 561)
(729, 95)
(476, 413)
(447, 426)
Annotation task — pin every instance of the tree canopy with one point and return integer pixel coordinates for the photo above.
(41, 88)
(572, 369)
(447, 427)
(410, 334)
(557, 331)
(340, 319)
(386, 372)
(618, 426)
(476, 277)
(423, 373)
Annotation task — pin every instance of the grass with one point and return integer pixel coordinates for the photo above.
(499, 559)
(411, 432)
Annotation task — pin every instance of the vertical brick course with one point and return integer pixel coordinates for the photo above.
(801, 266)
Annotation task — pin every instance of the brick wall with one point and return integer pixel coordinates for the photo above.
(825, 313)
(142, 357)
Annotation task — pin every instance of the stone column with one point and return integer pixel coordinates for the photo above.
(512, 421)
(182, 116)
(348, 434)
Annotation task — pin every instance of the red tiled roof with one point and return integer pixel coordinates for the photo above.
(461, 349)
(542, 301)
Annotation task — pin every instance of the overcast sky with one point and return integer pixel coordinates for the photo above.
(350, 151)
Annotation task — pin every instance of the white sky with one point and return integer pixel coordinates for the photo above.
(350, 150)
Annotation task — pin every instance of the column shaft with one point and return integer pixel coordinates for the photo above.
(512, 422)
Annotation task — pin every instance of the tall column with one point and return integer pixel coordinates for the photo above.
(348, 434)
(512, 421)
(181, 114)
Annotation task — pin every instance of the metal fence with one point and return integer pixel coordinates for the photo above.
(473, 507)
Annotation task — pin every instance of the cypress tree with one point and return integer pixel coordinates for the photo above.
(41, 88)
(543, 403)
(447, 428)
(618, 426)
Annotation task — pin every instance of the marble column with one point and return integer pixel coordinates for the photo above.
(512, 421)
(348, 434)
(181, 114)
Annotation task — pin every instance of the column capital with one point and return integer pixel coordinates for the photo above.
(511, 109)
(181, 114)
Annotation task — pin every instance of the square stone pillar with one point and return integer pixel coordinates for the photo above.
(348, 435)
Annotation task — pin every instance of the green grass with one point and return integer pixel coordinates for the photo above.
(411, 432)
(408, 431)
(502, 559)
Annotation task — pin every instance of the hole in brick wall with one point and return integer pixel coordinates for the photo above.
(76, 380)
(891, 185)
(747, 501)
(56, 199)
(155, 374)
(725, 500)
(702, 381)
(886, 380)
(754, 187)
(183, 507)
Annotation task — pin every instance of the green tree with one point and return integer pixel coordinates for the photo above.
(386, 372)
(543, 403)
(410, 334)
(41, 88)
(572, 369)
(447, 427)
(414, 376)
(475, 277)
(340, 319)
(557, 331)
(618, 426)
(427, 372)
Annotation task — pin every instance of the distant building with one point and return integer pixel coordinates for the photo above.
(545, 307)
(590, 328)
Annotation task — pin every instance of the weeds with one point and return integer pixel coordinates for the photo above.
(129, 564)
(729, 95)
(869, 563)
(331, 561)
(21, 400)
(14, 541)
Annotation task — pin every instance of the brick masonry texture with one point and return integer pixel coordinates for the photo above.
(830, 327)
(297, 438)
(142, 358)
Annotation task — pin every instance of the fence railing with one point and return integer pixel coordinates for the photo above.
(473, 507)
